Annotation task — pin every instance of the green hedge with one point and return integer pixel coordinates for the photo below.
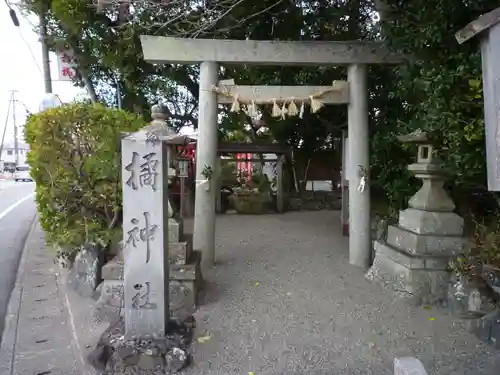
(75, 162)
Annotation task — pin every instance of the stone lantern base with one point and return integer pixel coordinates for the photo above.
(414, 259)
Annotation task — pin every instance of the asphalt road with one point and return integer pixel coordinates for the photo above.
(17, 210)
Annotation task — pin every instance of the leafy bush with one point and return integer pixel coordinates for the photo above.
(75, 161)
(229, 173)
(416, 95)
(484, 249)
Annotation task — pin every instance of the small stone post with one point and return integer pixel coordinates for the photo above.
(183, 175)
(145, 235)
(280, 189)
(344, 186)
(206, 157)
(360, 244)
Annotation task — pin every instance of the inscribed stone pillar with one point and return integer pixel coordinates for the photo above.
(360, 244)
(206, 158)
(145, 237)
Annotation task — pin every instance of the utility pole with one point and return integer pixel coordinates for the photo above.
(16, 140)
(43, 39)
(5, 131)
(45, 49)
(118, 93)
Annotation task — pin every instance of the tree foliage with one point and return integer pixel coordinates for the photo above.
(75, 158)
(108, 48)
(439, 89)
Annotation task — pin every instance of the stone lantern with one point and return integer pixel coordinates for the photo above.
(159, 130)
(428, 168)
(413, 260)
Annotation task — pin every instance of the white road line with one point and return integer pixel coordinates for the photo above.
(3, 214)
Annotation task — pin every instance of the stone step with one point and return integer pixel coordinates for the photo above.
(415, 243)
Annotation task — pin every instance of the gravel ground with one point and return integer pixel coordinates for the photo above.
(284, 300)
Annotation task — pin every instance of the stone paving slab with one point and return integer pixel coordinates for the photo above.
(283, 300)
(38, 337)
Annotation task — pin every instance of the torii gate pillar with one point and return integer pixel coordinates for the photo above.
(360, 247)
(206, 156)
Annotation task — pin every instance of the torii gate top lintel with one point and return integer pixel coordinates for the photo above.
(160, 50)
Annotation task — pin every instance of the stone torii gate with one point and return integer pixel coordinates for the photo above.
(209, 53)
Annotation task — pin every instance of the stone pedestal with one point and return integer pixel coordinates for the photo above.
(185, 279)
(413, 260)
(185, 271)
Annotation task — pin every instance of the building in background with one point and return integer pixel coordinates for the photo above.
(8, 157)
(50, 101)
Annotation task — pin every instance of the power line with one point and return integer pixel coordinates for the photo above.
(31, 52)
(15, 21)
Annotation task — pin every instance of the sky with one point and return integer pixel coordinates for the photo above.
(21, 70)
